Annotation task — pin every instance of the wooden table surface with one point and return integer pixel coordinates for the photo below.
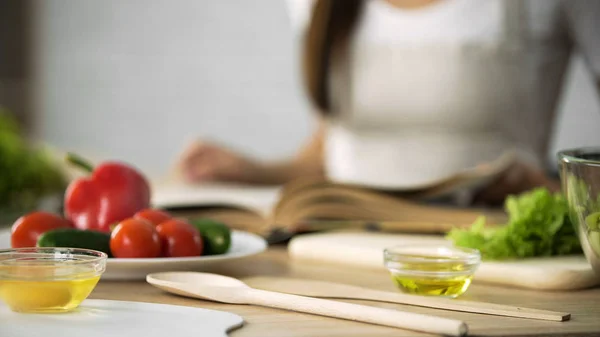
(583, 305)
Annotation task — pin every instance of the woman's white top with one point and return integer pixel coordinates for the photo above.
(424, 94)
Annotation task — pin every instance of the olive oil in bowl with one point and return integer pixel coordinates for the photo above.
(432, 270)
(47, 280)
(46, 296)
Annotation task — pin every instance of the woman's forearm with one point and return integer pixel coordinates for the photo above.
(284, 172)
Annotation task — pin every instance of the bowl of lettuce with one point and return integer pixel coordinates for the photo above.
(580, 176)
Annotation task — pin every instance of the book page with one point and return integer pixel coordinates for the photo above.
(174, 194)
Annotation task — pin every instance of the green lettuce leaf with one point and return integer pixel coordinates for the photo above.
(538, 225)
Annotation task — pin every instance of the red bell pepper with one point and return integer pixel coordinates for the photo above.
(114, 192)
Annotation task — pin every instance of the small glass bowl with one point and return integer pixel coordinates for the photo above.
(445, 271)
(44, 280)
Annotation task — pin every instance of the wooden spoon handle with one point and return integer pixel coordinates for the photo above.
(355, 312)
(467, 306)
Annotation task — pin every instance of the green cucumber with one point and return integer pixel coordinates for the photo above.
(75, 238)
(216, 236)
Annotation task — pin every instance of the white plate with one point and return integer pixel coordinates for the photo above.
(242, 244)
(100, 318)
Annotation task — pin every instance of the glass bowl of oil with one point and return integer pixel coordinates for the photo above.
(444, 271)
(48, 280)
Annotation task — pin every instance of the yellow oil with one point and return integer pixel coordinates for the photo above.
(433, 278)
(46, 296)
(433, 286)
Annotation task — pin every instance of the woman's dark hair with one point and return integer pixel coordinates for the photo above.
(330, 27)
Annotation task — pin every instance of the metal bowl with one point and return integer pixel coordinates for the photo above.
(580, 179)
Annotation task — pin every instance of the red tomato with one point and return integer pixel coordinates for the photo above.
(179, 239)
(134, 238)
(27, 229)
(154, 216)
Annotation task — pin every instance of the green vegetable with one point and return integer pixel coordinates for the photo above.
(580, 197)
(584, 210)
(28, 173)
(593, 221)
(593, 231)
(216, 236)
(538, 225)
(75, 238)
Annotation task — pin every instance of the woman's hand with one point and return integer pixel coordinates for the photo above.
(518, 178)
(203, 161)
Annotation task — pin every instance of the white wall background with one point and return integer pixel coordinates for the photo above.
(137, 79)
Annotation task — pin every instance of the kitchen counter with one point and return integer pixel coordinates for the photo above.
(583, 305)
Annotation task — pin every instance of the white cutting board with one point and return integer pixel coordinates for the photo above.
(100, 318)
(366, 250)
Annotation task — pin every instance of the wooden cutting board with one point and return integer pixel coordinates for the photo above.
(363, 249)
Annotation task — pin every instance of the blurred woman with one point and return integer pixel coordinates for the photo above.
(411, 92)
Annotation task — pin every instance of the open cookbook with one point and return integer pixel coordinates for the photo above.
(314, 204)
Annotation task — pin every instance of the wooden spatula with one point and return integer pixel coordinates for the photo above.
(313, 288)
(225, 289)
